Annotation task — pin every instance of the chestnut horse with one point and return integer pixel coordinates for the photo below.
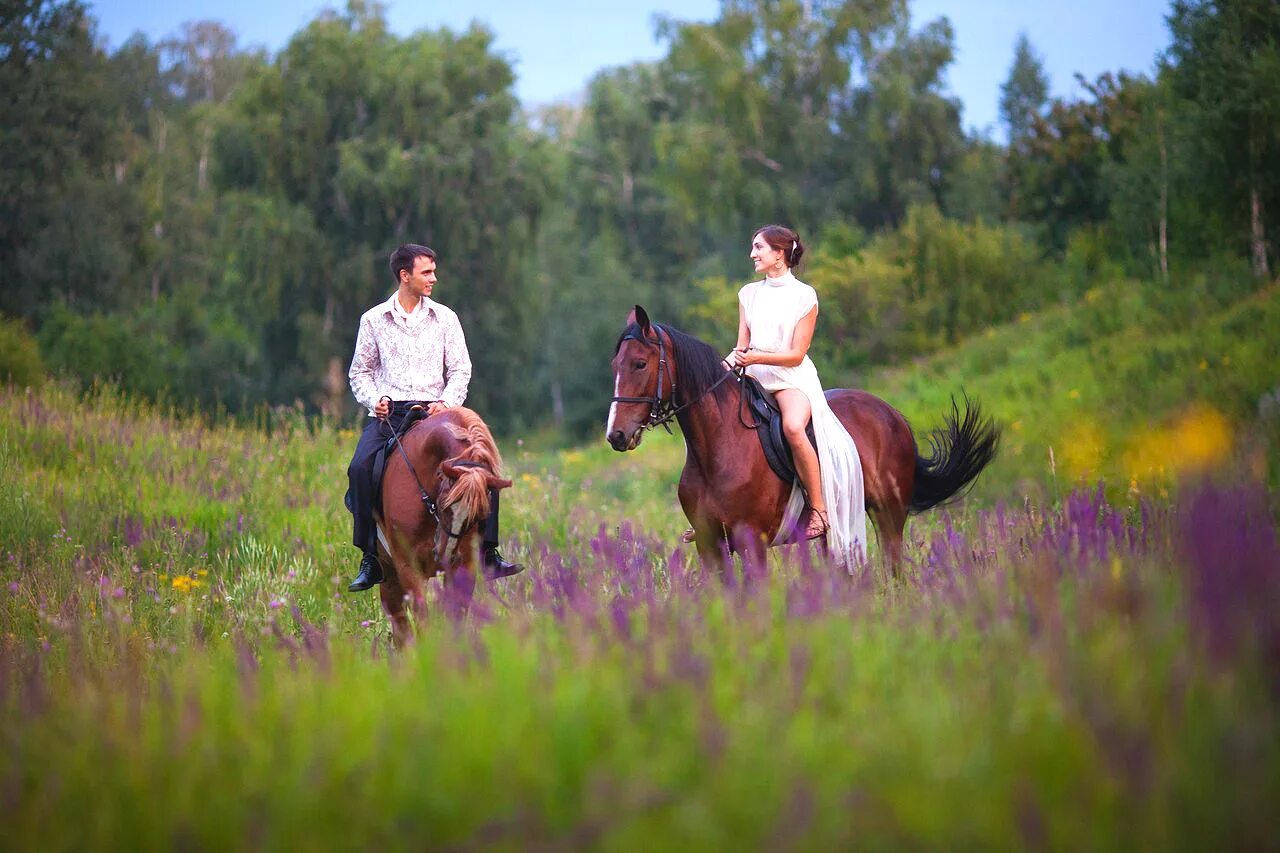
(728, 491)
(435, 496)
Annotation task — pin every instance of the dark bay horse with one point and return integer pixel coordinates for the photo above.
(727, 489)
(433, 505)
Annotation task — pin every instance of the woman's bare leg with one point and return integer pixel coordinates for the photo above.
(795, 418)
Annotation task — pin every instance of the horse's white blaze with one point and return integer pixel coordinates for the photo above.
(459, 519)
(613, 407)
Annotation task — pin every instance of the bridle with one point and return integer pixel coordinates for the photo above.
(663, 411)
(428, 501)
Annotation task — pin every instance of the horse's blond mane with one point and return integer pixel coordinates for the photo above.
(472, 488)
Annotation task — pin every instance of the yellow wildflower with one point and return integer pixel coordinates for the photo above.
(1199, 439)
(1084, 448)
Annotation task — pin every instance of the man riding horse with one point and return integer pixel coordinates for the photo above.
(410, 352)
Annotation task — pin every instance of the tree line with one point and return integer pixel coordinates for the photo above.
(205, 223)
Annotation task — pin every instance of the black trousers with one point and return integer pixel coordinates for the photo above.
(360, 496)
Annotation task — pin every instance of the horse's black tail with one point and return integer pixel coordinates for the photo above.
(960, 449)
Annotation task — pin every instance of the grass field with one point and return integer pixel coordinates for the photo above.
(1063, 664)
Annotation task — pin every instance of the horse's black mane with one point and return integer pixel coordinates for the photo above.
(698, 366)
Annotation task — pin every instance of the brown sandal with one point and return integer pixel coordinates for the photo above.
(813, 532)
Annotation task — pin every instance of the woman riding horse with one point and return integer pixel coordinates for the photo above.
(727, 489)
(776, 317)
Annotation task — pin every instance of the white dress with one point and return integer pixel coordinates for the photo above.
(772, 308)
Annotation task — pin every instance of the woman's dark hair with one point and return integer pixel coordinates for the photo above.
(406, 256)
(783, 239)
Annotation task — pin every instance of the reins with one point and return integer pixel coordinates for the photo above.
(663, 411)
(427, 500)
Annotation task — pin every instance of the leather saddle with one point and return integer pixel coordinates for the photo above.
(766, 418)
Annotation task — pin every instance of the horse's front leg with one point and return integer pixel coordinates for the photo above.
(748, 541)
(459, 580)
(713, 545)
(393, 604)
(709, 535)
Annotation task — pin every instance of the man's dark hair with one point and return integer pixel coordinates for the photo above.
(406, 256)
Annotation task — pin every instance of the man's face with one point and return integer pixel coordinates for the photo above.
(422, 279)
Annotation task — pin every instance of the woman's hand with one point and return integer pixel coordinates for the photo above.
(737, 357)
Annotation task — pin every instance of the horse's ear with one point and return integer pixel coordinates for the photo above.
(450, 470)
(498, 483)
(639, 315)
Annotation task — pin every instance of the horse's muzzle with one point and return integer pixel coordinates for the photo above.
(619, 441)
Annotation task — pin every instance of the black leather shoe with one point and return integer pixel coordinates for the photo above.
(496, 567)
(370, 574)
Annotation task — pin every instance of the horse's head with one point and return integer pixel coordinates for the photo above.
(463, 504)
(643, 381)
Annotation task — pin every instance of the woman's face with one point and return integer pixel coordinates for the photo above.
(766, 258)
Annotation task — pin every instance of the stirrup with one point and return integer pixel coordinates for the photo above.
(818, 515)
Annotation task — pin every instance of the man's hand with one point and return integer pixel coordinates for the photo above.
(382, 408)
(436, 408)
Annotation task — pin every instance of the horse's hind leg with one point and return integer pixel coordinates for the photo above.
(889, 526)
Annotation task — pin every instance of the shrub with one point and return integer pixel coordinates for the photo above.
(20, 362)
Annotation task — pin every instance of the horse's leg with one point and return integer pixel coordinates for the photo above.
(750, 543)
(460, 586)
(393, 604)
(708, 534)
(712, 545)
(890, 523)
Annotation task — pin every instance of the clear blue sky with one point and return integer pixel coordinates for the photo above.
(557, 45)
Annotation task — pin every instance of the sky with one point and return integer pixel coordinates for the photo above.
(556, 45)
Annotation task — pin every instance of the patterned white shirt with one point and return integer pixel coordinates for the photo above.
(410, 356)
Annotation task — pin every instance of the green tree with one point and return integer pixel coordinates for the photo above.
(1024, 93)
(1225, 66)
(371, 141)
(61, 183)
(902, 137)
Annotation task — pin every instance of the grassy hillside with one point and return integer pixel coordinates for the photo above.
(1132, 385)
